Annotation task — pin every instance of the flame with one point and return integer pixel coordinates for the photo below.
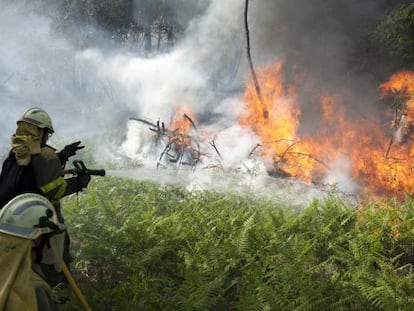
(401, 86)
(180, 122)
(179, 139)
(400, 81)
(380, 164)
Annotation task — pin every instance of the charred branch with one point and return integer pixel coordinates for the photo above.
(254, 150)
(286, 151)
(164, 151)
(213, 144)
(249, 58)
(154, 127)
(278, 172)
(144, 121)
(180, 149)
(190, 120)
(312, 157)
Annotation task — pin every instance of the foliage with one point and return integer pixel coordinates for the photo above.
(396, 32)
(141, 246)
(130, 23)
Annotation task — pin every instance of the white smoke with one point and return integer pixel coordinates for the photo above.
(90, 93)
(151, 88)
(340, 176)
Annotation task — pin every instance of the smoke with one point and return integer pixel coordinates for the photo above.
(317, 35)
(40, 68)
(91, 91)
(340, 176)
(327, 41)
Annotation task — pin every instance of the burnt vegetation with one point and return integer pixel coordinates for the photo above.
(180, 148)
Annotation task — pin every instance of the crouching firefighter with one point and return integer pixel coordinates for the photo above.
(34, 167)
(30, 234)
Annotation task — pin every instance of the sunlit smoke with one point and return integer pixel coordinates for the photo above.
(340, 175)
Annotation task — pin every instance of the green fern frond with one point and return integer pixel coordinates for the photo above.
(243, 242)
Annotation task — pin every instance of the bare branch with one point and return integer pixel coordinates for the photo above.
(144, 121)
(191, 121)
(312, 157)
(249, 57)
(254, 149)
(213, 144)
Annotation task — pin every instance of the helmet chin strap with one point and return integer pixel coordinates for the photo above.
(44, 222)
(45, 137)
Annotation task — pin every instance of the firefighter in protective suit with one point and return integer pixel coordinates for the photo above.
(34, 167)
(30, 234)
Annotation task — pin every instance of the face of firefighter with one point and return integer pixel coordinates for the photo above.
(46, 136)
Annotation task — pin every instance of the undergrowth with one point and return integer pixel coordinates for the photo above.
(142, 246)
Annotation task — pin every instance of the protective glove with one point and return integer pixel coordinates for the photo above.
(76, 183)
(83, 180)
(68, 151)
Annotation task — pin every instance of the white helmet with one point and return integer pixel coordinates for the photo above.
(28, 216)
(38, 117)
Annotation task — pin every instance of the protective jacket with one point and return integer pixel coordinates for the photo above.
(21, 288)
(36, 168)
(43, 175)
(16, 179)
(33, 167)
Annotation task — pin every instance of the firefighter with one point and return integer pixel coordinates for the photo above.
(30, 233)
(33, 166)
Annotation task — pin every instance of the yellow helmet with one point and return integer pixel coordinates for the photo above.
(38, 117)
(28, 216)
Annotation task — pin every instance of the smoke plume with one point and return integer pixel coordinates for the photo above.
(91, 90)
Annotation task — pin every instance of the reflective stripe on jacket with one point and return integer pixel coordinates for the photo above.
(48, 174)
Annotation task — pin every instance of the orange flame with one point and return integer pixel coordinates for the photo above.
(379, 163)
(180, 123)
(180, 126)
(401, 81)
(401, 86)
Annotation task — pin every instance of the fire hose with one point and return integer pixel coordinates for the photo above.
(80, 169)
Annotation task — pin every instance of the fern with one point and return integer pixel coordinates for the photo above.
(141, 246)
(243, 243)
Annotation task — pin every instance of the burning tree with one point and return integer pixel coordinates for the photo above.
(400, 88)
